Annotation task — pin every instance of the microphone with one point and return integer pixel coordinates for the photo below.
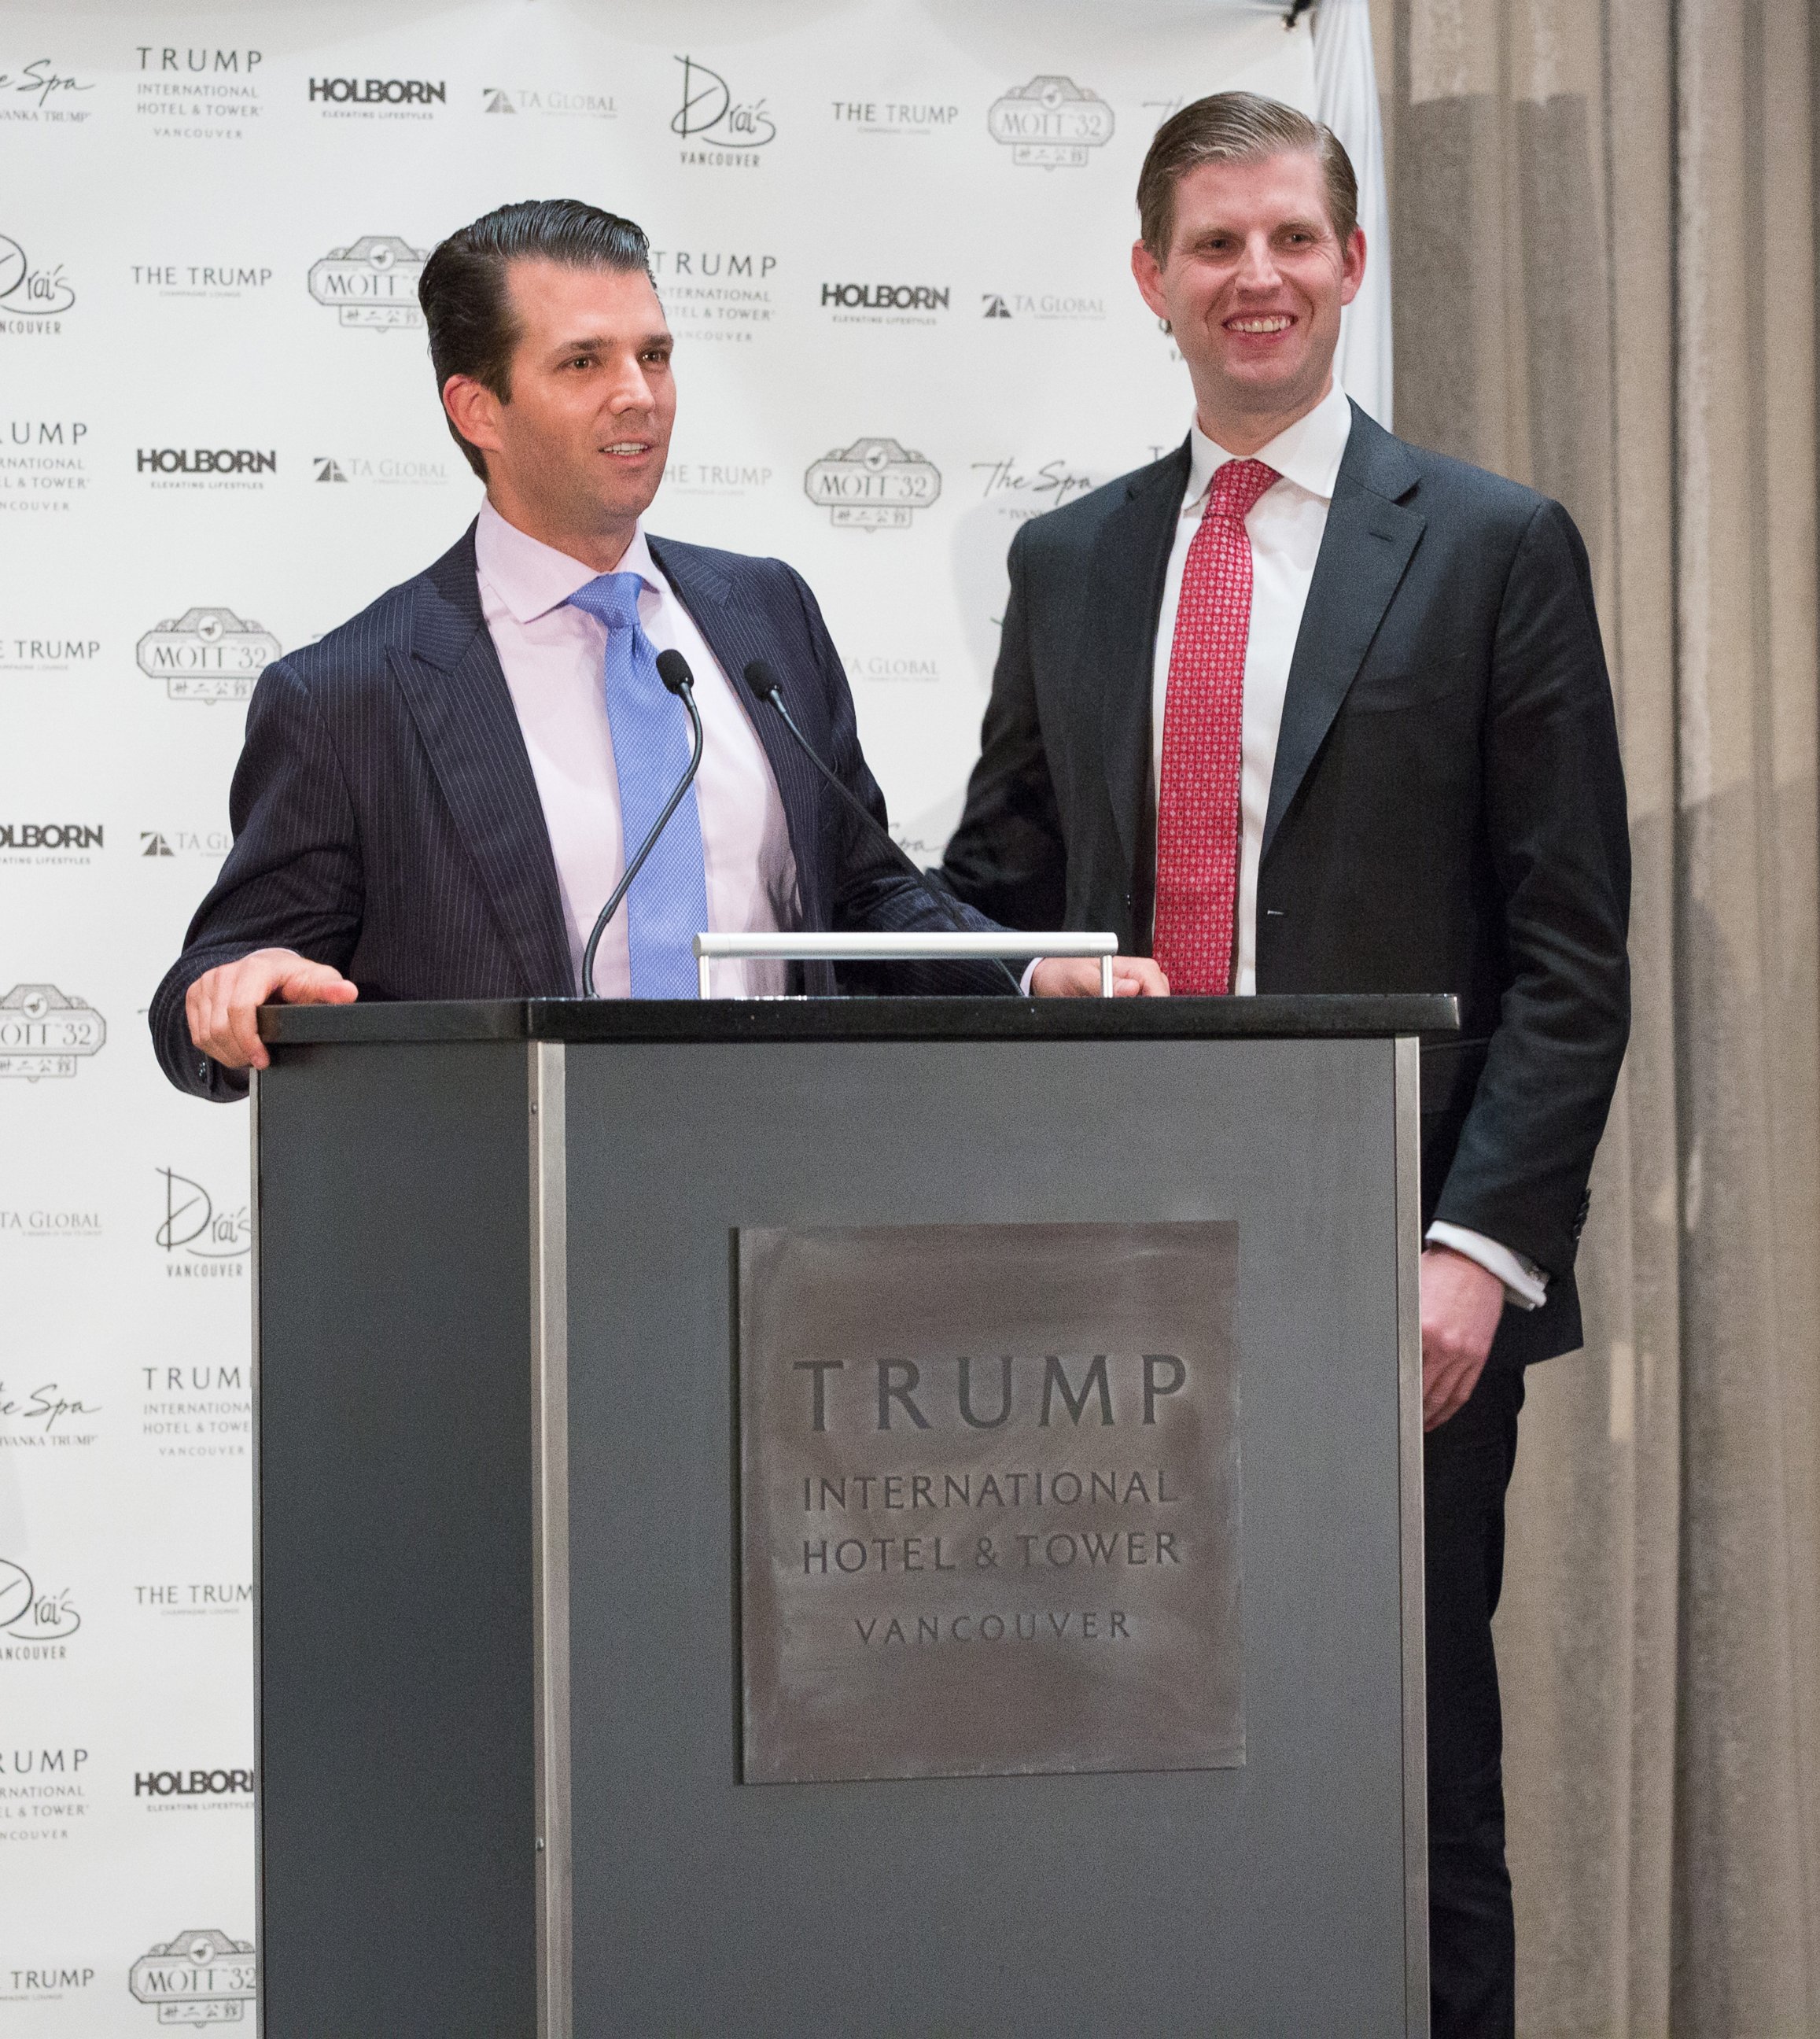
(766, 687)
(672, 670)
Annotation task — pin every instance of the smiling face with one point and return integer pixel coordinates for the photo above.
(1251, 283)
(576, 455)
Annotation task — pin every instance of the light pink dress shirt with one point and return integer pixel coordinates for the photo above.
(554, 658)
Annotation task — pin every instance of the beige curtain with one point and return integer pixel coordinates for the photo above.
(1604, 233)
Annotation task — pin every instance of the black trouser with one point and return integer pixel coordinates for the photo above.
(1472, 1938)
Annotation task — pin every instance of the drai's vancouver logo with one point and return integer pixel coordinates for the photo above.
(198, 1236)
(43, 1033)
(42, 465)
(884, 304)
(551, 101)
(372, 282)
(725, 131)
(50, 842)
(35, 1621)
(33, 294)
(872, 485)
(207, 655)
(377, 98)
(1050, 122)
(198, 93)
(202, 1977)
(206, 467)
(41, 90)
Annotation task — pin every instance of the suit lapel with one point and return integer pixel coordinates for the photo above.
(1370, 539)
(1129, 563)
(456, 691)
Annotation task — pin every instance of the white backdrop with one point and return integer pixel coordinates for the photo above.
(892, 238)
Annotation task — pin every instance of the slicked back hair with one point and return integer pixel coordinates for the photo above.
(1237, 127)
(467, 306)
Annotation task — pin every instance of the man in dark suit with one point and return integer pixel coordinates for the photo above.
(1311, 710)
(435, 800)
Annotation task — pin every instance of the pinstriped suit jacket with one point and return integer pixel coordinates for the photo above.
(386, 820)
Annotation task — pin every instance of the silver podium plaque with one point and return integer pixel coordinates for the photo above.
(989, 1500)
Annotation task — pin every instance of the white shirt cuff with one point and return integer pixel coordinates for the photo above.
(1525, 1284)
(1029, 971)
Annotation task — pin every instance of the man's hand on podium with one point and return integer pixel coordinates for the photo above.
(223, 1004)
(1079, 976)
(1461, 1303)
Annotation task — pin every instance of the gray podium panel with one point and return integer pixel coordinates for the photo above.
(1273, 1898)
(502, 1760)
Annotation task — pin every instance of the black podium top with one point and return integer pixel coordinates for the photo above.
(1325, 1017)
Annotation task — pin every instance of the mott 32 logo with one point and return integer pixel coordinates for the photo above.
(372, 282)
(207, 655)
(872, 485)
(45, 1033)
(1051, 123)
(201, 1977)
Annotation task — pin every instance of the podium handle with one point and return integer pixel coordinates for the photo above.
(961, 948)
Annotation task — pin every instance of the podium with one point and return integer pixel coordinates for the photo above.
(864, 1517)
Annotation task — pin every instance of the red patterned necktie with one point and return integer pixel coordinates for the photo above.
(1203, 733)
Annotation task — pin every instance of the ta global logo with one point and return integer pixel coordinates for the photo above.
(372, 282)
(33, 294)
(207, 655)
(872, 485)
(35, 1622)
(730, 130)
(1051, 123)
(44, 1033)
(202, 1977)
(552, 102)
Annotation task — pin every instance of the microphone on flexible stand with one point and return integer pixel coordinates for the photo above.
(672, 670)
(765, 685)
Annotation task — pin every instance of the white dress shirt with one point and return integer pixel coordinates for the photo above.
(554, 657)
(1285, 526)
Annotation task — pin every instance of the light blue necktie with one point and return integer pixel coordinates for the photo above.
(667, 906)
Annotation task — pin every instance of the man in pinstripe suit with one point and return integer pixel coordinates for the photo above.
(435, 800)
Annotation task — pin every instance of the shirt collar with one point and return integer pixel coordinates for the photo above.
(530, 578)
(1307, 453)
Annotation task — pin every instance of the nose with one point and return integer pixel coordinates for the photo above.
(631, 388)
(1257, 268)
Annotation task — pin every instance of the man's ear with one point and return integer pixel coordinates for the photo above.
(474, 412)
(1352, 265)
(1148, 272)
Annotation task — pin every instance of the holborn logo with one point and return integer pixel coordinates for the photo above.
(372, 282)
(1051, 122)
(879, 299)
(202, 1977)
(48, 837)
(211, 1240)
(210, 462)
(365, 92)
(45, 1034)
(872, 485)
(29, 290)
(207, 655)
(192, 1783)
(732, 128)
(33, 1622)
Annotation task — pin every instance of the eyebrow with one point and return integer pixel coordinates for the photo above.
(594, 342)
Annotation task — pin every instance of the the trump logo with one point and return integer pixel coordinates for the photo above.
(872, 485)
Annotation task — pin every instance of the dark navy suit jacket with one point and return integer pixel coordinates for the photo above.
(386, 820)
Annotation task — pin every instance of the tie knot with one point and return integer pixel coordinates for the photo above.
(612, 599)
(1237, 486)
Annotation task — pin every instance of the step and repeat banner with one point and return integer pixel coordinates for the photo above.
(891, 240)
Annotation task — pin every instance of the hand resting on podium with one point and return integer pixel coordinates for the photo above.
(223, 1005)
